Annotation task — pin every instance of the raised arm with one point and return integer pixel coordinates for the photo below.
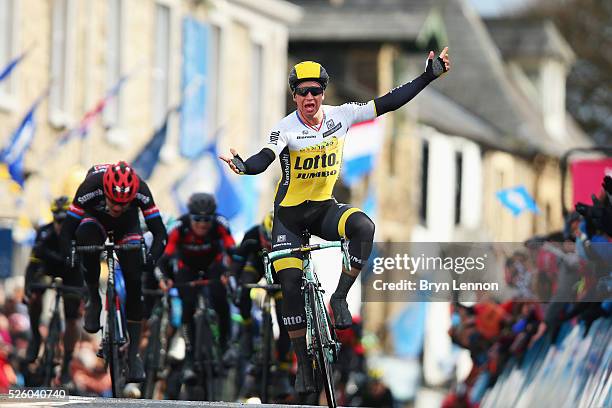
(401, 95)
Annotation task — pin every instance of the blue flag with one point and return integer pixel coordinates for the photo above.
(6, 72)
(208, 174)
(12, 155)
(517, 199)
(147, 159)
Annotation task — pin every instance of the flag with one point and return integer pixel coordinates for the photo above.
(147, 159)
(207, 173)
(83, 128)
(517, 199)
(363, 142)
(12, 155)
(6, 72)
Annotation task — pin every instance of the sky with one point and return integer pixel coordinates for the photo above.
(495, 7)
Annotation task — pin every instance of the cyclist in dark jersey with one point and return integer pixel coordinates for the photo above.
(248, 266)
(109, 199)
(309, 144)
(200, 242)
(47, 260)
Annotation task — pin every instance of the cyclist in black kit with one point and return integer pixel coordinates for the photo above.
(309, 144)
(46, 259)
(200, 242)
(249, 268)
(109, 199)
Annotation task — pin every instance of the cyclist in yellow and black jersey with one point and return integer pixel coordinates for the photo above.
(308, 144)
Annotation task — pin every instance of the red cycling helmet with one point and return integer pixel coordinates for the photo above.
(120, 182)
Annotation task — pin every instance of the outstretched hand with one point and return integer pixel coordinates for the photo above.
(441, 64)
(229, 161)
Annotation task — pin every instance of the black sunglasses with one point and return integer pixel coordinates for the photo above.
(201, 218)
(314, 90)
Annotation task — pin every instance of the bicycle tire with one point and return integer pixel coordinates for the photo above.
(48, 360)
(266, 328)
(152, 358)
(324, 368)
(112, 345)
(204, 344)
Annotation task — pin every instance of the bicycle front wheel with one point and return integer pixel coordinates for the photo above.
(321, 328)
(152, 358)
(112, 347)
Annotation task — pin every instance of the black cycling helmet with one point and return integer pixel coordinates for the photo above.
(59, 208)
(202, 204)
(308, 71)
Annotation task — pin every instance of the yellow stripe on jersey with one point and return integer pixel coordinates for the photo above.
(343, 218)
(286, 263)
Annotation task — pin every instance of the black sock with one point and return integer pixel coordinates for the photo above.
(344, 285)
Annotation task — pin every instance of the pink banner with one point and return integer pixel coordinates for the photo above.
(587, 176)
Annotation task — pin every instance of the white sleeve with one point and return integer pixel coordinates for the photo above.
(357, 112)
(277, 140)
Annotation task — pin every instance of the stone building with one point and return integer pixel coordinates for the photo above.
(81, 49)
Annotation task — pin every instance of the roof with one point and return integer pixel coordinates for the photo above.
(486, 99)
(455, 120)
(518, 38)
(357, 20)
(478, 82)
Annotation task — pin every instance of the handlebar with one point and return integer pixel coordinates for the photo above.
(257, 286)
(270, 256)
(109, 245)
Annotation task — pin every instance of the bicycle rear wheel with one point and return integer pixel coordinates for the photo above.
(324, 367)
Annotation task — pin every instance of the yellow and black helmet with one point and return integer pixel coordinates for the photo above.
(59, 207)
(308, 71)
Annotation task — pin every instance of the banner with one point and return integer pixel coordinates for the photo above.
(194, 113)
(587, 176)
(6, 252)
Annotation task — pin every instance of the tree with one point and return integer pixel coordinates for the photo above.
(587, 27)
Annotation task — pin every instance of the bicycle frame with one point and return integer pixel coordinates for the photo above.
(330, 346)
(114, 336)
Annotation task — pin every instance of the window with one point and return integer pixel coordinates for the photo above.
(112, 111)
(7, 43)
(458, 183)
(62, 44)
(424, 178)
(161, 70)
(257, 90)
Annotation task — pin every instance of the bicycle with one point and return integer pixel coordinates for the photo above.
(207, 353)
(264, 357)
(157, 347)
(322, 345)
(114, 335)
(47, 368)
